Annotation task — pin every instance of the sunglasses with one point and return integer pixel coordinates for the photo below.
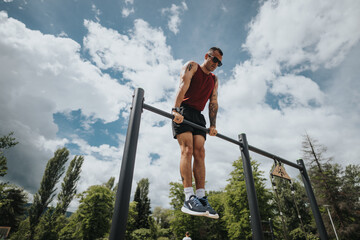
(216, 60)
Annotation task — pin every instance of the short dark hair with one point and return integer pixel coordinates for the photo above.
(215, 49)
(187, 234)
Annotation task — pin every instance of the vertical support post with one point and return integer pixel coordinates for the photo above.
(118, 226)
(257, 233)
(314, 206)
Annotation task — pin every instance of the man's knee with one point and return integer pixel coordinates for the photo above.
(199, 152)
(187, 150)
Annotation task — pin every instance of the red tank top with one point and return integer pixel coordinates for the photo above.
(201, 87)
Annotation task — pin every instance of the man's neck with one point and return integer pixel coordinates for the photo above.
(203, 68)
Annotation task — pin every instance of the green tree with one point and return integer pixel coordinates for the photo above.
(162, 217)
(53, 171)
(12, 206)
(335, 188)
(72, 228)
(350, 192)
(6, 142)
(52, 221)
(23, 231)
(95, 212)
(143, 204)
(161, 221)
(130, 225)
(110, 184)
(49, 226)
(290, 198)
(237, 213)
(141, 234)
(12, 198)
(68, 186)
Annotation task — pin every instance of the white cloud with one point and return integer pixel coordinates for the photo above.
(142, 57)
(305, 32)
(39, 78)
(174, 13)
(302, 90)
(62, 34)
(127, 11)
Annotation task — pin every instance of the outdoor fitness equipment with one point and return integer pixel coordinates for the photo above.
(118, 226)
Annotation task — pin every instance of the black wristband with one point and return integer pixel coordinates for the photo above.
(176, 109)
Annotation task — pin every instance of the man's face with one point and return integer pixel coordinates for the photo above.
(210, 60)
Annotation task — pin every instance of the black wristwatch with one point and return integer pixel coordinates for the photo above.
(176, 109)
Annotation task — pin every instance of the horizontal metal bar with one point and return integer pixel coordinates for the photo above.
(169, 115)
(272, 156)
(251, 148)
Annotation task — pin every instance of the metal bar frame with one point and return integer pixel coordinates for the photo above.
(121, 210)
(118, 227)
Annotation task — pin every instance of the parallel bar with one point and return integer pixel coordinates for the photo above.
(251, 148)
(314, 206)
(257, 233)
(118, 225)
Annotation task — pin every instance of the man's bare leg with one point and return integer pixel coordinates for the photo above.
(199, 174)
(192, 204)
(186, 145)
(199, 161)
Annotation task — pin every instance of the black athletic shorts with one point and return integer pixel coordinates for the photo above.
(192, 115)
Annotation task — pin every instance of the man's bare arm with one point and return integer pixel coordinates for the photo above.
(213, 105)
(187, 72)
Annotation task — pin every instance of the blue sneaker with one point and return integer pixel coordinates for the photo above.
(209, 209)
(194, 207)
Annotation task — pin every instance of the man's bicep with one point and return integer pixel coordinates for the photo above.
(214, 94)
(187, 73)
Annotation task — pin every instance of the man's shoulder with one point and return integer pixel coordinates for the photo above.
(214, 76)
(191, 63)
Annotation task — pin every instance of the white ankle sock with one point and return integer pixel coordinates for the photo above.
(200, 192)
(188, 192)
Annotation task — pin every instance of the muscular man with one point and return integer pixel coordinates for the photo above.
(197, 85)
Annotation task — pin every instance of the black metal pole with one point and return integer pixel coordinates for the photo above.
(314, 206)
(274, 157)
(257, 233)
(118, 226)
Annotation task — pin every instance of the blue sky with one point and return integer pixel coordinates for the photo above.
(68, 70)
